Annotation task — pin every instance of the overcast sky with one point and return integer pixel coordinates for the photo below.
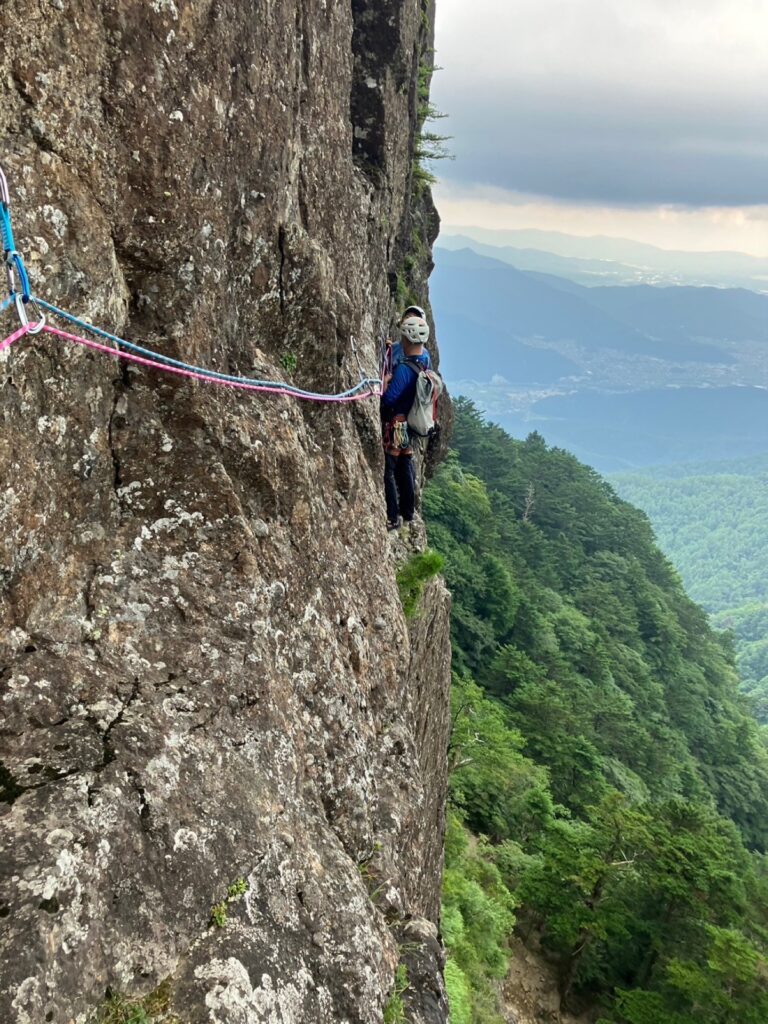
(647, 117)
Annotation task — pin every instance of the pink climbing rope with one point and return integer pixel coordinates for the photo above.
(141, 360)
(7, 342)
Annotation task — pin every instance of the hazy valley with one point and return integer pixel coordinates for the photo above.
(624, 376)
(665, 387)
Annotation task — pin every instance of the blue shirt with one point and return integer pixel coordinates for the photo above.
(398, 355)
(398, 398)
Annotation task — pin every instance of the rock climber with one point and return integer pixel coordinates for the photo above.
(396, 401)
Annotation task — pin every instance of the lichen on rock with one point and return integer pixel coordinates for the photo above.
(205, 672)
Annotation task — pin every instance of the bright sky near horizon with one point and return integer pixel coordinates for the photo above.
(645, 120)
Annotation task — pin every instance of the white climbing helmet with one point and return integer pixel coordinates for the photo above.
(415, 329)
(413, 311)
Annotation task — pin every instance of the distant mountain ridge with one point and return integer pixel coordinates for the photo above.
(603, 260)
(480, 297)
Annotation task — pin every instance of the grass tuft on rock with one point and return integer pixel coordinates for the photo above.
(412, 577)
(394, 1008)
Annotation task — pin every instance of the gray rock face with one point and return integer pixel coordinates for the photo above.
(206, 680)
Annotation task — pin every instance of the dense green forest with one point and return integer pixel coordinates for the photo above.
(712, 521)
(609, 790)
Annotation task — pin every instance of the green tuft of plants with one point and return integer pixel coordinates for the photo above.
(152, 1009)
(235, 891)
(412, 577)
(289, 362)
(238, 888)
(394, 1008)
(404, 295)
(119, 1010)
(219, 914)
(156, 1003)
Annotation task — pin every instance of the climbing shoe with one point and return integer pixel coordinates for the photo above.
(394, 525)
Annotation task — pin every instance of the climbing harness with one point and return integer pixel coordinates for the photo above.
(367, 387)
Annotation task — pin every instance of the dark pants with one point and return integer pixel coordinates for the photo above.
(399, 486)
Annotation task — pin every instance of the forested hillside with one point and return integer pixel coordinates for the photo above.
(712, 521)
(609, 789)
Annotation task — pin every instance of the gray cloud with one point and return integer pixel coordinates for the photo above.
(602, 107)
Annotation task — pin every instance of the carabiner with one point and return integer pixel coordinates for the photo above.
(22, 313)
(36, 328)
(13, 259)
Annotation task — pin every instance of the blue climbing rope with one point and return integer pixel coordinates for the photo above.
(366, 384)
(13, 261)
(5, 229)
(11, 257)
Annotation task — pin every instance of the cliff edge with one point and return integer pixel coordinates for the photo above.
(222, 756)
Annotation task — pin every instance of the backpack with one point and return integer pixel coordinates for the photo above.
(422, 416)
